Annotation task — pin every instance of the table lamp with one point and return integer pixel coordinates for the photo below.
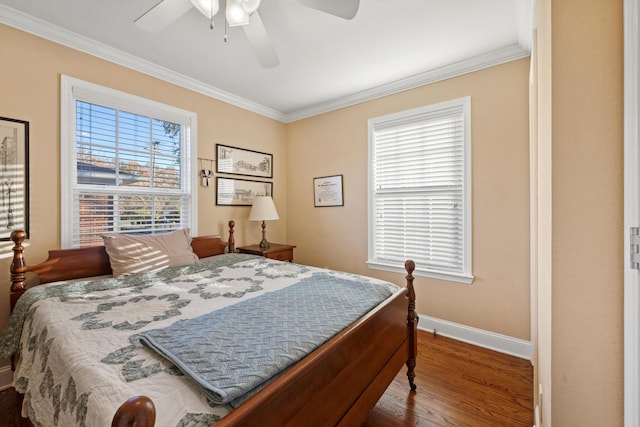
(263, 209)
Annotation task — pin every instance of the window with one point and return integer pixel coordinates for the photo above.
(420, 191)
(126, 165)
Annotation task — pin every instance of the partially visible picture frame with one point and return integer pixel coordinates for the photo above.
(14, 177)
(328, 191)
(240, 192)
(240, 161)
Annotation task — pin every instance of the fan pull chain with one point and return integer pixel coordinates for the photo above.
(211, 21)
(225, 30)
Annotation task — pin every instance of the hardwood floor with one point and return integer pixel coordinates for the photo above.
(10, 409)
(458, 385)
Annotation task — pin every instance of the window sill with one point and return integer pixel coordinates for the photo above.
(433, 274)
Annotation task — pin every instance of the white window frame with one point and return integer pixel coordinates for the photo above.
(73, 90)
(416, 115)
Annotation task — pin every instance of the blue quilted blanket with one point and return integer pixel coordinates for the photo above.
(232, 351)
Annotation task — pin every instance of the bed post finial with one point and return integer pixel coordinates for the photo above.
(18, 265)
(412, 323)
(137, 411)
(232, 240)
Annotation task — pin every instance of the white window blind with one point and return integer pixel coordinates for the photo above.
(126, 166)
(419, 191)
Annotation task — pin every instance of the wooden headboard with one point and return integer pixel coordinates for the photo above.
(91, 261)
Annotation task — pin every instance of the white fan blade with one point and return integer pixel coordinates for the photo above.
(162, 14)
(346, 9)
(259, 39)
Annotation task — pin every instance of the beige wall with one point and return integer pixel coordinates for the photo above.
(585, 125)
(336, 237)
(30, 90)
(333, 143)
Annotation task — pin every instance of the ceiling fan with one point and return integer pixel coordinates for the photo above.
(238, 13)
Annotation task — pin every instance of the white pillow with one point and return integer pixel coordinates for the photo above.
(135, 254)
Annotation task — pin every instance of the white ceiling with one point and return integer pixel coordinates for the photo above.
(325, 62)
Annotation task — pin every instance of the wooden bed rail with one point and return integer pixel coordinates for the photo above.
(91, 261)
(140, 411)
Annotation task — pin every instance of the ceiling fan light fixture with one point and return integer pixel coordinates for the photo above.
(250, 6)
(236, 15)
(208, 8)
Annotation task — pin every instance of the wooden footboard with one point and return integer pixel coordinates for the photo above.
(339, 383)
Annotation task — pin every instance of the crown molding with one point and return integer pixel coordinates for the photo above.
(46, 30)
(490, 59)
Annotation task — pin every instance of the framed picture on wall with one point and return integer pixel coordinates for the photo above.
(14, 176)
(327, 191)
(239, 161)
(240, 192)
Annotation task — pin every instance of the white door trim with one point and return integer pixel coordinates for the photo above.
(631, 215)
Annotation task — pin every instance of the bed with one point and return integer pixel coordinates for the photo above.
(336, 383)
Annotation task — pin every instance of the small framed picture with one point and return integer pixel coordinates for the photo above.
(238, 161)
(327, 191)
(14, 176)
(240, 192)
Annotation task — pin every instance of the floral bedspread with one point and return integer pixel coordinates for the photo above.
(80, 352)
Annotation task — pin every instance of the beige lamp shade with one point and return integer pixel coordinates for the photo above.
(263, 209)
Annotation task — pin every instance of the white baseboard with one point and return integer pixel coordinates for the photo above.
(6, 377)
(481, 338)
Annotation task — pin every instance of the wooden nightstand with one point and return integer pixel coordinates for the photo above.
(274, 251)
